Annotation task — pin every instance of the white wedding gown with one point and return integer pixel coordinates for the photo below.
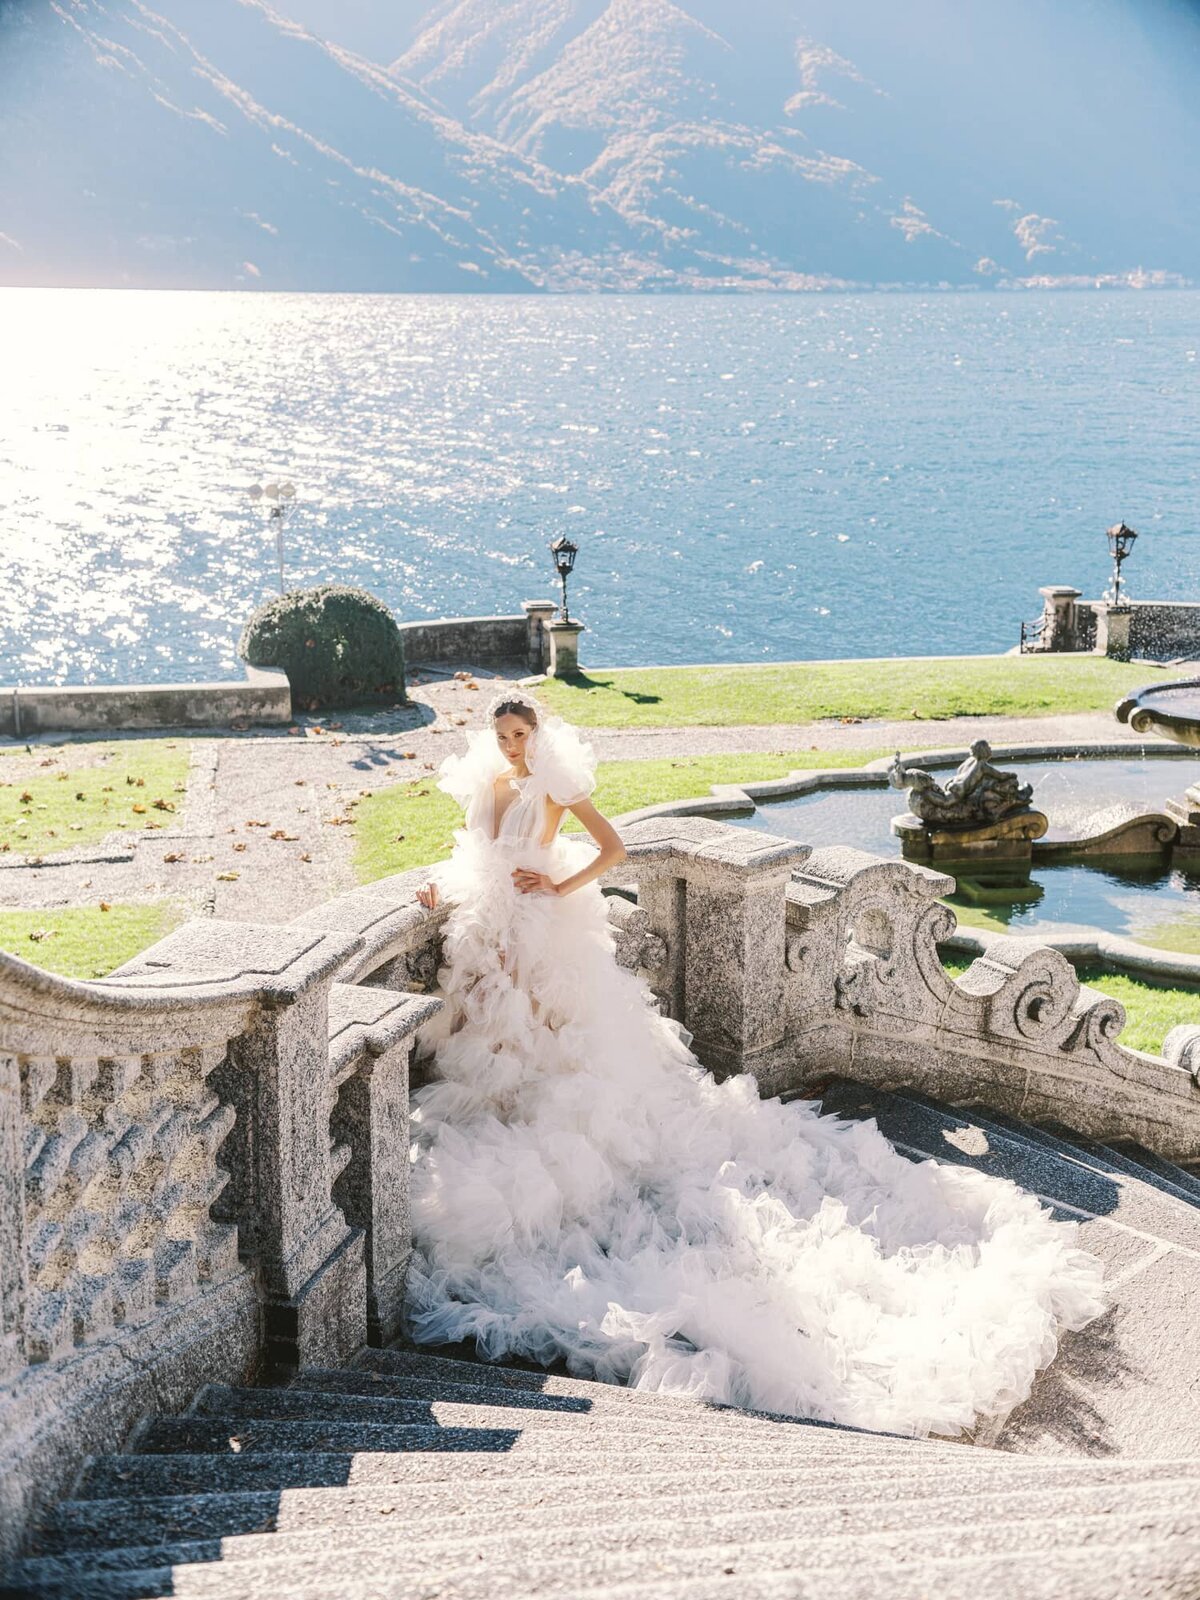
(584, 1191)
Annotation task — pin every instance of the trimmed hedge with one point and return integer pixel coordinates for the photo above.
(339, 646)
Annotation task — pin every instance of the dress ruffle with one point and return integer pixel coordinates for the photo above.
(584, 1191)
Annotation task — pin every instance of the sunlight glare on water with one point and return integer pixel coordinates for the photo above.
(768, 477)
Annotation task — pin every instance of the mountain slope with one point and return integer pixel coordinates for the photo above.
(220, 144)
(596, 144)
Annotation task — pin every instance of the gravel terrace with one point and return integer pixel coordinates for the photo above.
(259, 839)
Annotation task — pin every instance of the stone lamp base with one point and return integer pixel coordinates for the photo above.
(1010, 839)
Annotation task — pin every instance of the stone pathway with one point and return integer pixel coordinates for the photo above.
(258, 841)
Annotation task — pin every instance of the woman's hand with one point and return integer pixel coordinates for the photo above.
(528, 881)
(428, 896)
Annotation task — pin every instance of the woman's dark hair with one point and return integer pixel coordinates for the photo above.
(515, 708)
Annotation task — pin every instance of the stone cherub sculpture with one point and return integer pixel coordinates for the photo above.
(976, 795)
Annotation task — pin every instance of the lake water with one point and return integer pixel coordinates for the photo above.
(747, 478)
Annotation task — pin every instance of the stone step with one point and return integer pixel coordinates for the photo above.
(590, 1559)
(309, 1404)
(223, 1434)
(130, 1476)
(83, 1525)
(1071, 1146)
(532, 1530)
(1180, 1177)
(1162, 1571)
(1149, 1570)
(1043, 1171)
(1109, 1158)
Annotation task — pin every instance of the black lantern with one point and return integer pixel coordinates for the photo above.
(1120, 543)
(564, 553)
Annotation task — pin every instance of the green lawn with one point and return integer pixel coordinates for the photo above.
(797, 692)
(83, 941)
(409, 824)
(1150, 1012)
(135, 784)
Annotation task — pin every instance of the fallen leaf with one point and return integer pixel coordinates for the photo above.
(228, 877)
(38, 934)
(25, 798)
(280, 834)
(76, 827)
(48, 761)
(174, 855)
(253, 824)
(299, 782)
(239, 848)
(304, 856)
(399, 838)
(105, 906)
(61, 777)
(164, 805)
(138, 808)
(107, 789)
(79, 795)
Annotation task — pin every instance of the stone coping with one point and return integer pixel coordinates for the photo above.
(263, 698)
(1082, 945)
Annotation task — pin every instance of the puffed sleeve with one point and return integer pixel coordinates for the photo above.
(562, 762)
(468, 776)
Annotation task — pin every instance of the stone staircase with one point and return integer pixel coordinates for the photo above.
(411, 1476)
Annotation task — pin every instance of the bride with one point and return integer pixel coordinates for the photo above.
(584, 1192)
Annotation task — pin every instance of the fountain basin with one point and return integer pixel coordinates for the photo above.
(1171, 710)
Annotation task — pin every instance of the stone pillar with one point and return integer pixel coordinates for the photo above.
(373, 1120)
(539, 614)
(564, 648)
(1059, 622)
(12, 1221)
(716, 896)
(1112, 631)
(310, 1261)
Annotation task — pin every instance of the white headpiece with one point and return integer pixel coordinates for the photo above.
(516, 697)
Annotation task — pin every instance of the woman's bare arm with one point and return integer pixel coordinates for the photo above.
(611, 853)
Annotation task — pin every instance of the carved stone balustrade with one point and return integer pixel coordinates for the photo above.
(203, 1176)
(803, 966)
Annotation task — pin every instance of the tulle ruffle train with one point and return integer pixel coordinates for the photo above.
(584, 1191)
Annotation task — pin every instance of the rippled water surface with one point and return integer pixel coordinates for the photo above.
(747, 478)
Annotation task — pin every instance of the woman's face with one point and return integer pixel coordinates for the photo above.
(512, 735)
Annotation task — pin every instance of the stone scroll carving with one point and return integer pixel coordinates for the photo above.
(868, 997)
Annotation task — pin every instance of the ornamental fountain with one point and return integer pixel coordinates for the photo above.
(1171, 710)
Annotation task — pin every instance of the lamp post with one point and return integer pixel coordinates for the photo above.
(281, 496)
(1120, 543)
(564, 553)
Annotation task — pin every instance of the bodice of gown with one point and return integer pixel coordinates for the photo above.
(524, 819)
